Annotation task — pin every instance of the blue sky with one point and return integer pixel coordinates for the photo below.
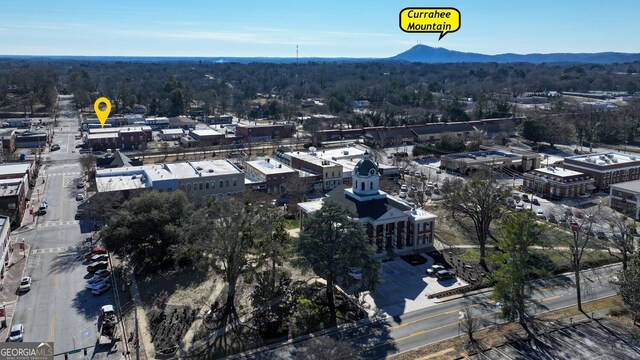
(346, 28)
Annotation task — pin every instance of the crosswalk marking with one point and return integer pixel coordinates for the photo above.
(66, 173)
(52, 250)
(58, 223)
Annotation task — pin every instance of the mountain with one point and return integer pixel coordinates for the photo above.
(428, 54)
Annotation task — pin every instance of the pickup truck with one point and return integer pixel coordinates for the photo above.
(108, 325)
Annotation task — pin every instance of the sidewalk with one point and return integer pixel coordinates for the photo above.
(35, 196)
(13, 275)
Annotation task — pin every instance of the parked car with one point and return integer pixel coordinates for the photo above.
(438, 171)
(535, 201)
(79, 146)
(445, 275)
(355, 273)
(403, 195)
(563, 223)
(101, 289)
(583, 195)
(525, 197)
(80, 197)
(404, 188)
(80, 185)
(103, 273)
(99, 257)
(25, 284)
(540, 214)
(95, 282)
(94, 251)
(97, 266)
(434, 269)
(16, 334)
(55, 147)
(552, 219)
(519, 206)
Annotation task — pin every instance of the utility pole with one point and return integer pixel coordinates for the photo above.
(137, 335)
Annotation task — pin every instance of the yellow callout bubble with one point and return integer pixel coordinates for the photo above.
(430, 20)
(102, 114)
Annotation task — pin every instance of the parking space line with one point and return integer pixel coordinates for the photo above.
(52, 328)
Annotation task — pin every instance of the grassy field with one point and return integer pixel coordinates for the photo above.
(552, 259)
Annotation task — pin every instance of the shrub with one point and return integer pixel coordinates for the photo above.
(618, 310)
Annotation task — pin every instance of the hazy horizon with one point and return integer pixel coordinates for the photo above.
(332, 29)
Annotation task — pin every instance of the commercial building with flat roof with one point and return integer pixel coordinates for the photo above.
(466, 163)
(625, 198)
(198, 179)
(606, 168)
(274, 174)
(13, 194)
(329, 171)
(18, 171)
(557, 183)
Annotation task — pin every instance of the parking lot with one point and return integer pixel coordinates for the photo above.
(405, 288)
(568, 210)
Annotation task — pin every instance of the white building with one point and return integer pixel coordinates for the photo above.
(389, 223)
(198, 179)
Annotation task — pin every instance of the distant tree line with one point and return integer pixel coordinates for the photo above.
(398, 92)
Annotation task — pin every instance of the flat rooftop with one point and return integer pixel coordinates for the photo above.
(486, 155)
(203, 168)
(172, 131)
(605, 158)
(108, 135)
(559, 172)
(10, 187)
(8, 169)
(206, 132)
(270, 167)
(341, 153)
(118, 183)
(629, 186)
(141, 177)
(312, 159)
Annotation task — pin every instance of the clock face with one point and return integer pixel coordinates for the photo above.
(372, 172)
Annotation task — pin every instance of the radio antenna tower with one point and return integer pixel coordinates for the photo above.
(296, 53)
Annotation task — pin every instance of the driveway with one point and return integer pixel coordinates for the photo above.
(405, 288)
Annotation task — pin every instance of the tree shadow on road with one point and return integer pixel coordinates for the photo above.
(88, 305)
(67, 262)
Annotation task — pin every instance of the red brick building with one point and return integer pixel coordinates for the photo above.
(264, 132)
(606, 168)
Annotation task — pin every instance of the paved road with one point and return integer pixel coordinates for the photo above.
(59, 308)
(389, 336)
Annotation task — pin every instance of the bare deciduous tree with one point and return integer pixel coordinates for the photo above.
(622, 238)
(475, 205)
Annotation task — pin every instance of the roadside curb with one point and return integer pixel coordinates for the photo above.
(481, 291)
(585, 318)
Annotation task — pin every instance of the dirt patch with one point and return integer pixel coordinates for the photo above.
(191, 286)
(168, 327)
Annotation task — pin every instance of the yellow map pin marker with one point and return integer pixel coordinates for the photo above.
(102, 114)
